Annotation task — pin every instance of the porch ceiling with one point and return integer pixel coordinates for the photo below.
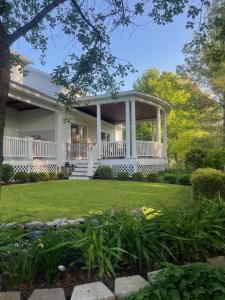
(115, 112)
(19, 105)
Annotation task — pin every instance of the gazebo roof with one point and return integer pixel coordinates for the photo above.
(113, 109)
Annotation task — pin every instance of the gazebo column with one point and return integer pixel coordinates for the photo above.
(98, 127)
(153, 131)
(133, 129)
(127, 116)
(158, 125)
(164, 135)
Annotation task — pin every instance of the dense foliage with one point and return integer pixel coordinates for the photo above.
(195, 281)
(209, 183)
(7, 173)
(105, 172)
(193, 120)
(103, 243)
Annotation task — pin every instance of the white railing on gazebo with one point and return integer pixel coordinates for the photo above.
(149, 149)
(28, 148)
(113, 149)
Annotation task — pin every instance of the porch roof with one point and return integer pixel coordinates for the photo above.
(113, 109)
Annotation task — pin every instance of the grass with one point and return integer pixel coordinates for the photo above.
(49, 200)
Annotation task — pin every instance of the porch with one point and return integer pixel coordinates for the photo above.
(125, 152)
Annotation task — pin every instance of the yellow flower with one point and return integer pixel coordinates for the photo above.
(150, 212)
(95, 212)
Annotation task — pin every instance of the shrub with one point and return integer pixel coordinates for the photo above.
(52, 176)
(152, 177)
(209, 183)
(61, 176)
(137, 176)
(170, 178)
(105, 172)
(195, 157)
(123, 176)
(195, 281)
(7, 172)
(22, 177)
(215, 159)
(44, 176)
(34, 177)
(185, 179)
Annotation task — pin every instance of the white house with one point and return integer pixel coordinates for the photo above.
(40, 136)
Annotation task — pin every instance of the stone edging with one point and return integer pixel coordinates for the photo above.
(124, 287)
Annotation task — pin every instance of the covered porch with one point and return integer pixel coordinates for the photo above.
(124, 113)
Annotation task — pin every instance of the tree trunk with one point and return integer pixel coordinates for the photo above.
(223, 129)
(4, 85)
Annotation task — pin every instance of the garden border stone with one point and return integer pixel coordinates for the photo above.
(48, 294)
(9, 295)
(92, 291)
(126, 286)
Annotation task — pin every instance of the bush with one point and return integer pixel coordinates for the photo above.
(123, 176)
(170, 178)
(34, 177)
(137, 176)
(195, 281)
(215, 159)
(22, 177)
(152, 177)
(52, 176)
(44, 176)
(105, 172)
(185, 179)
(195, 157)
(209, 183)
(61, 176)
(7, 172)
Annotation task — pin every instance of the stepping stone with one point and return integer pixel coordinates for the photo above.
(34, 225)
(9, 295)
(218, 261)
(126, 286)
(48, 294)
(92, 291)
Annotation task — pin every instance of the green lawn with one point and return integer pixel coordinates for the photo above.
(48, 200)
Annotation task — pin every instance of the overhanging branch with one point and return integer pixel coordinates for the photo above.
(35, 21)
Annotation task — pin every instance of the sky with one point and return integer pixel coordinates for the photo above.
(146, 46)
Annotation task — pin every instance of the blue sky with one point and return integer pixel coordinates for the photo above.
(147, 46)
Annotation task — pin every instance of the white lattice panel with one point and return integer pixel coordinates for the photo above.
(36, 168)
(145, 170)
(122, 168)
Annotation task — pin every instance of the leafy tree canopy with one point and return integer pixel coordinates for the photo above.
(193, 117)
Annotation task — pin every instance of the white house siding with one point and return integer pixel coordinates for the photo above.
(37, 122)
(12, 126)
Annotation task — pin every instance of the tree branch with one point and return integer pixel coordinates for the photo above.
(78, 8)
(35, 21)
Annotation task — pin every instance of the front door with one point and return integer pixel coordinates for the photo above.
(79, 141)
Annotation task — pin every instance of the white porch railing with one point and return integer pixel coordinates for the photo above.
(149, 149)
(44, 149)
(15, 147)
(28, 148)
(113, 149)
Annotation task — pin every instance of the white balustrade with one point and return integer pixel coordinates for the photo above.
(15, 147)
(113, 149)
(44, 149)
(27, 148)
(149, 149)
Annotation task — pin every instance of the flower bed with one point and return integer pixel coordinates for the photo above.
(109, 244)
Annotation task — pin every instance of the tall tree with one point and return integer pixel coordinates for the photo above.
(192, 115)
(205, 57)
(90, 24)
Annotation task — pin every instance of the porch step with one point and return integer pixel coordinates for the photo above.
(81, 170)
